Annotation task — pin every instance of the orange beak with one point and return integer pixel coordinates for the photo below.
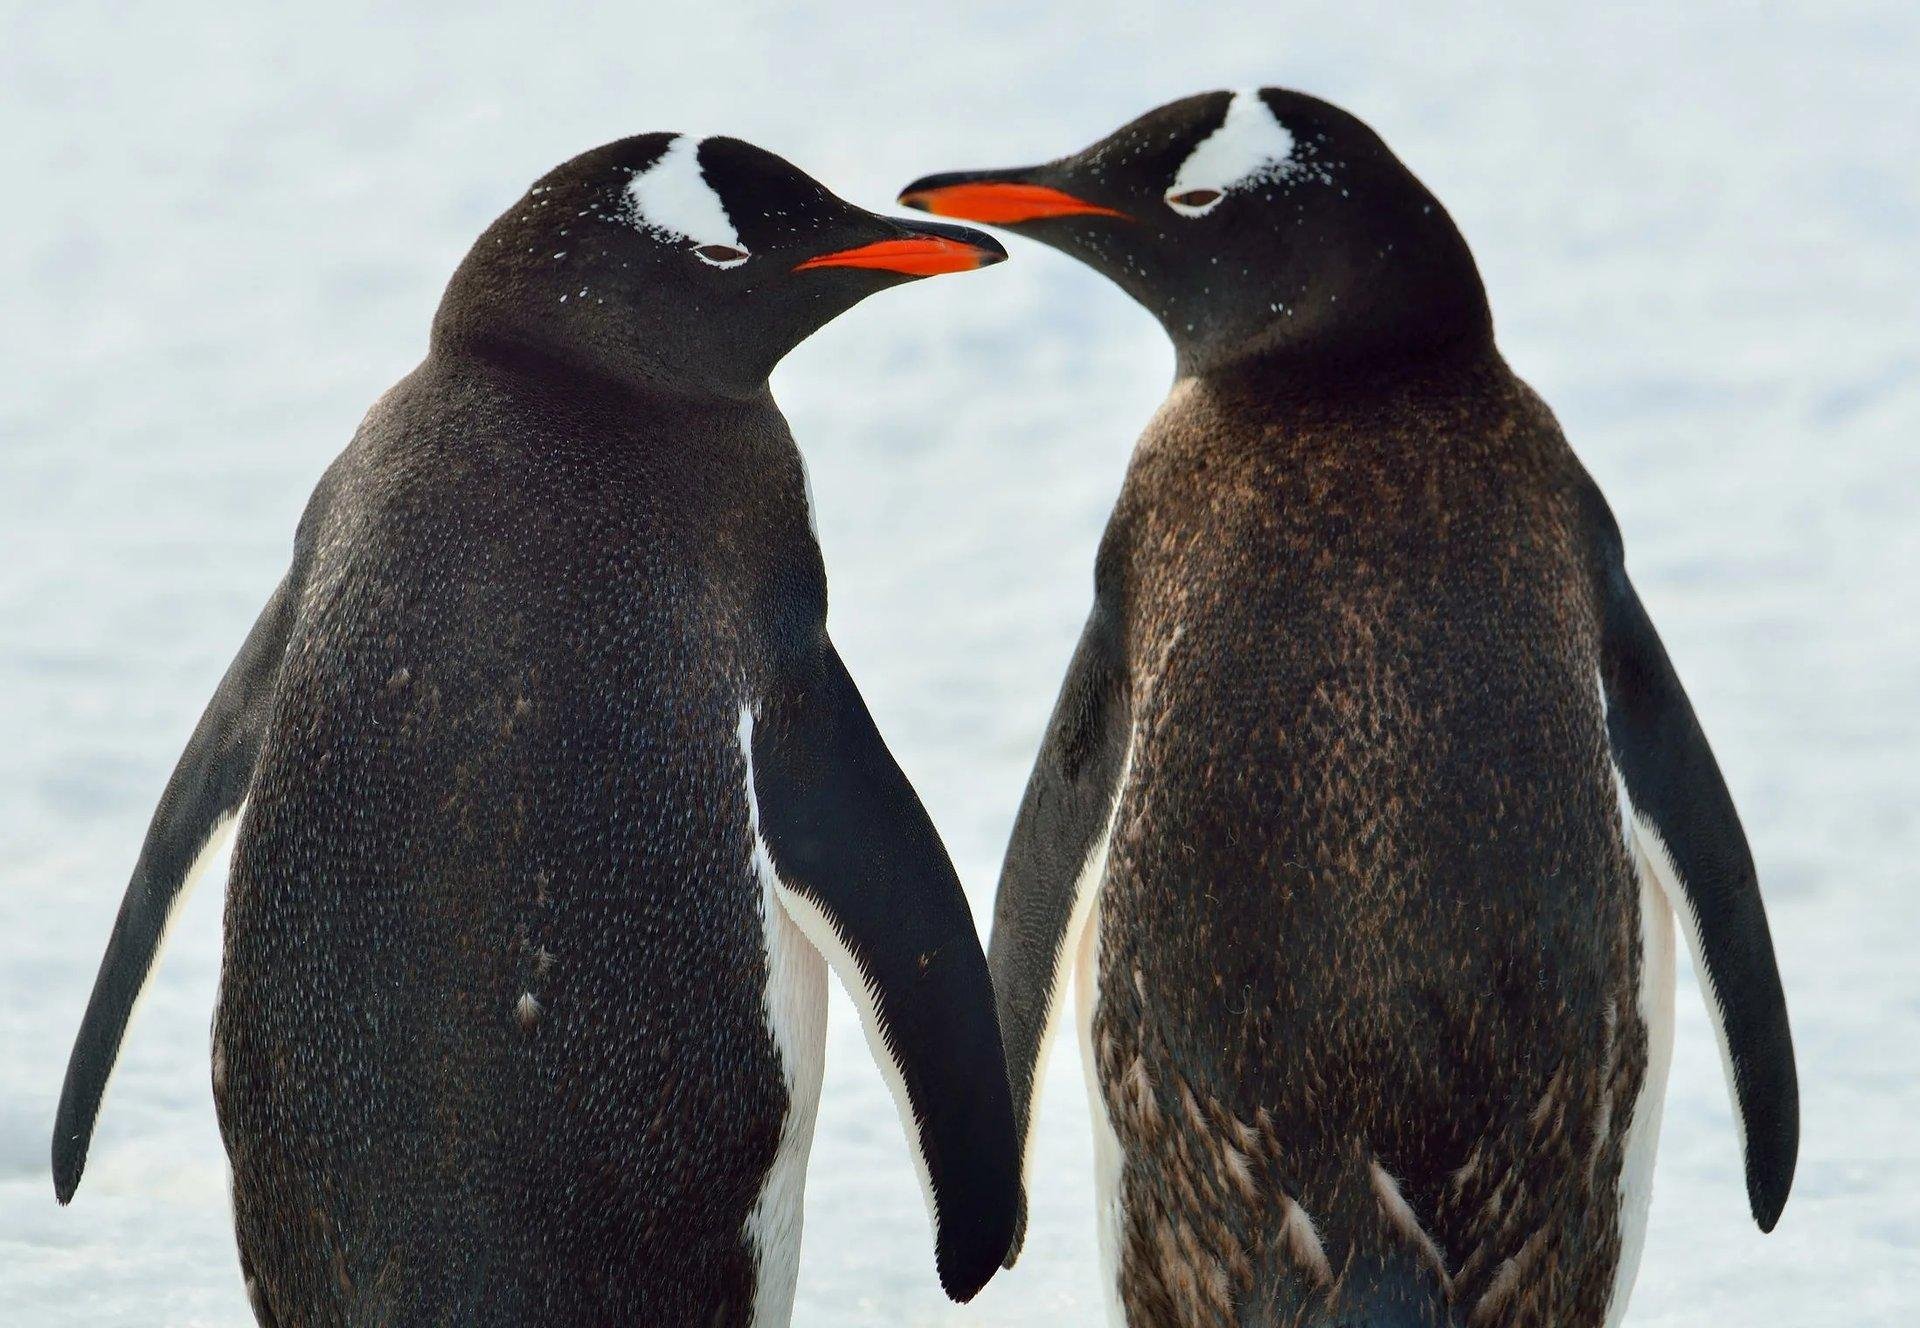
(1002, 202)
(920, 256)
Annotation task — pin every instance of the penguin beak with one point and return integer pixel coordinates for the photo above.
(999, 198)
(925, 250)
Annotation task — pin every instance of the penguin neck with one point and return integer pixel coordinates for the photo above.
(1287, 374)
(1404, 293)
(535, 355)
(1370, 336)
(496, 318)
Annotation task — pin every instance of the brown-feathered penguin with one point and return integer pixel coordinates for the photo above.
(552, 796)
(1371, 792)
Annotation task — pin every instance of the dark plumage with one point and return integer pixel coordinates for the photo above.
(507, 975)
(1382, 997)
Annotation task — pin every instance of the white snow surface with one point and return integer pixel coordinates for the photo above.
(225, 234)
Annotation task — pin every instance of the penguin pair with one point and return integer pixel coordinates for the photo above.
(553, 803)
(1371, 793)
(1363, 813)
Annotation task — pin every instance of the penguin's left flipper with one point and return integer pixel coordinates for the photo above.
(861, 870)
(1690, 836)
(208, 785)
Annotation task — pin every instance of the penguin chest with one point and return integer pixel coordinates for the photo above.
(1204, 1198)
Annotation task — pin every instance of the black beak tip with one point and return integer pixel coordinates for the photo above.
(991, 250)
(915, 194)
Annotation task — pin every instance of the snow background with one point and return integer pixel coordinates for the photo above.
(227, 233)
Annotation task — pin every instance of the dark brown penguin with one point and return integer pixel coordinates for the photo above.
(1370, 785)
(555, 803)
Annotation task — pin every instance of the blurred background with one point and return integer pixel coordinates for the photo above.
(228, 228)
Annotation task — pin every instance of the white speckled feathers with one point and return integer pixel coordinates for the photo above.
(1250, 145)
(672, 199)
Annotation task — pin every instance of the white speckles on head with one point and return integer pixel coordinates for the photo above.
(672, 199)
(1249, 147)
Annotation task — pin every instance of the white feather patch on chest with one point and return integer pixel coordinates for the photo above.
(1250, 146)
(1083, 941)
(796, 1013)
(1656, 1012)
(1108, 1159)
(1655, 1003)
(672, 199)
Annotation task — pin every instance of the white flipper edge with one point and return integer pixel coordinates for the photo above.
(219, 843)
(825, 938)
(1086, 897)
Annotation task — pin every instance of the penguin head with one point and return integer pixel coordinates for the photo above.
(695, 264)
(1253, 222)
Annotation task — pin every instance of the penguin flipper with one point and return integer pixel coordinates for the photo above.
(862, 872)
(1056, 861)
(1690, 838)
(208, 785)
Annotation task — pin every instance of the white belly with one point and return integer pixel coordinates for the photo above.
(1656, 1011)
(1108, 1217)
(796, 1010)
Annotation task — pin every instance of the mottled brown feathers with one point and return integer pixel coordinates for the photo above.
(1368, 913)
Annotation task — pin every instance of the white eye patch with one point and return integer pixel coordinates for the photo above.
(1249, 147)
(672, 199)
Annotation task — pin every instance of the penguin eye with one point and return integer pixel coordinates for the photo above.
(1195, 202)
(720, 255)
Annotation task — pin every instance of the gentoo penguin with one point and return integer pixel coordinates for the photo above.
(1370, 787)
(553, 795)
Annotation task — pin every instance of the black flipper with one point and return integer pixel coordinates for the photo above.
(863, 873)
(1055, 863)
(1691, 835)
(209, 784)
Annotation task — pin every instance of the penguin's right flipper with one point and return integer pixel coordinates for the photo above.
(209, 784)
(861, 870)
(1056, 862)
(1690, 835)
